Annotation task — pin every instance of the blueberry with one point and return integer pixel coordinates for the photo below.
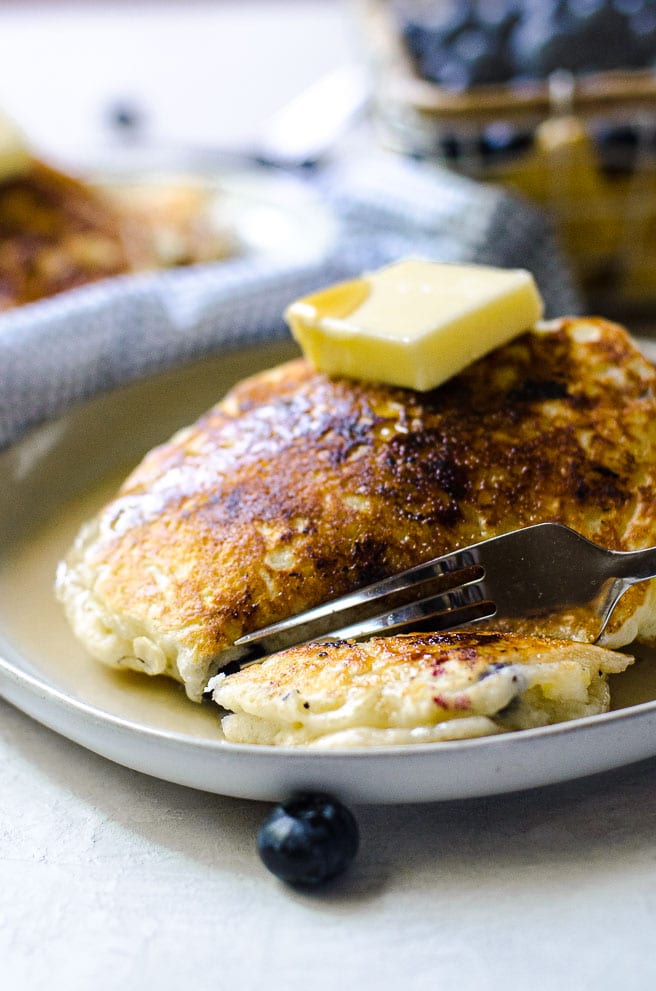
(499, 15)
(418, 40)
(500, 143)
(424, 28)
(455, 74)
(463, 43)
(545, 41)
(619, 148)
(124, 116)
(308, 839)
(630, 6)
(642, 26)
(434, 61)
(445, 20)
(605, 40)
(486, 62)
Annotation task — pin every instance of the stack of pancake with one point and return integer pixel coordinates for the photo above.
(299, 487)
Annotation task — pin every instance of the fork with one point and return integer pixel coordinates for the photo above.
(530, 574)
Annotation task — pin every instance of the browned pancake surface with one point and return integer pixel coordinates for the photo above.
(298, 487)
(55, 233)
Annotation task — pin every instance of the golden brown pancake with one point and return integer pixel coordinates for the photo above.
(416, 688)
(57, 232)
(298, 488)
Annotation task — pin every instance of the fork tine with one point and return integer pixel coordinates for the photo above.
(544, 572)
(443, 612)
(466, 597)
(452, 570)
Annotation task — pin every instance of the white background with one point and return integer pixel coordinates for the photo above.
(201, 71)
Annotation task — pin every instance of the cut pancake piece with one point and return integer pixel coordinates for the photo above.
(298, 488)
(414, 688)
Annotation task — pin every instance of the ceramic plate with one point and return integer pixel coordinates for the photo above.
(260, 211)
(59, 475)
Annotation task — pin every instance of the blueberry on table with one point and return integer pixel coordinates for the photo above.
(308, 839)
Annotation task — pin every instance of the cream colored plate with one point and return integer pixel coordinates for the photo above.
(259, 211)
(60, 474)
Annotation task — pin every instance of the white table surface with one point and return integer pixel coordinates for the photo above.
(109, 879)
(199, 71)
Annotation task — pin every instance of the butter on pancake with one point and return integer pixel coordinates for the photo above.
(414, 688)
(414, 323)
(299, 487)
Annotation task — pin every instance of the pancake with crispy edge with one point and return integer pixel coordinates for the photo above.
(297, 488)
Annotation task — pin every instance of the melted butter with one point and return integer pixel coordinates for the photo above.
(415, 323)
(337, 302)
(227, 449)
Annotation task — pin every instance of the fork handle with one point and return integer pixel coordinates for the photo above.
(635, 566)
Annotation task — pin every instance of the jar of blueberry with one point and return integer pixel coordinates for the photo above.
(555, 99)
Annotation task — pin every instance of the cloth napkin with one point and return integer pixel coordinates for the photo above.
(59, 351)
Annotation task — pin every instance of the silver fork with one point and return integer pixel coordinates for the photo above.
(532, 573)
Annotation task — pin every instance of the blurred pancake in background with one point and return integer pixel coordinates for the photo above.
(58, 232)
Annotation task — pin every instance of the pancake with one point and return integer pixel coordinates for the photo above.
(56, 233)
(414, 688)
(298, 488)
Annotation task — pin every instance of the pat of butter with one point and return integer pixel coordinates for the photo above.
(414, 323)
(15, 157)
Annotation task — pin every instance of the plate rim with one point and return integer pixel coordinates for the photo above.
(44, 688)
